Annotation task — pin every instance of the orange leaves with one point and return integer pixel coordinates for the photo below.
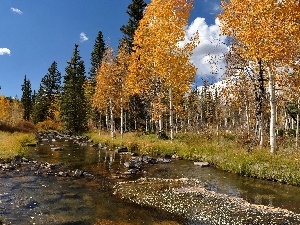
(267, 29)
(157, 52)
(104, 81)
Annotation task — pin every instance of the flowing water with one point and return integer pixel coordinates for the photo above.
(37, 199)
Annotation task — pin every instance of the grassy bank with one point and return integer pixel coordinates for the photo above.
(225, 152)
(14, 143)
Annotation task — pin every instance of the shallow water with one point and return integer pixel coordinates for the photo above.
(38, 199)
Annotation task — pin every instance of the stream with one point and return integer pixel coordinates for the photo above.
(32, 198)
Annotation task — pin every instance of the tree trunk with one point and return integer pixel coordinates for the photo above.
(122, 115)
(297, 128)
(125, 121)
(100, 124)
(261, 131)
(106, 120)
(248, 120)
(273, 112)
(171, 114)
(160, 123)
(176, 125)
(112, 133)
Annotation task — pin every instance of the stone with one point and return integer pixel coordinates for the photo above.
(201, 164)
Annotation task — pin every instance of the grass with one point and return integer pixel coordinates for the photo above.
(226, 152)
(12, 144)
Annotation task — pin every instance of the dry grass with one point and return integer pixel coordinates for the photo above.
(12, 144)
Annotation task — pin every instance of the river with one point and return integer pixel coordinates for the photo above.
(28, 198)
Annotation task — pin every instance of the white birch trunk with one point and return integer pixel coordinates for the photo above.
(273, 113)
(106, 120)
(112, 134)
(247, 120)
(297, 128)
(122, 115)
(100, 124)
(286, 120)
(171, 114)
(125, 121)
(176, 125)
(261, 131)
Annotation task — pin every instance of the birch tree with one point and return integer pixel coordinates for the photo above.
(268, 32)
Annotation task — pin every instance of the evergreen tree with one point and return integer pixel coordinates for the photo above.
(97, 55)
(47, 96)
(26, 99)
(135, 11)
(96, 60)
(73, 103)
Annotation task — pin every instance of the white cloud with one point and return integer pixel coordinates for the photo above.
(15, 10)
(208, 56)
(83, 37)
(4, 51)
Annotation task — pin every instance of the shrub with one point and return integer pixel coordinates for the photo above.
(48, 125)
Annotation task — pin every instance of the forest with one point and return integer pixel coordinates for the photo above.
(147, 84)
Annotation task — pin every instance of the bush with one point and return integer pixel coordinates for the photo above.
(48, 125)
(22, 126)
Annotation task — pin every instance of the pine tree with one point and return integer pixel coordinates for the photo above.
(135, 11)
(96, 60)
(47, 96)
(73, 103)
(97, 55)
(26, 99)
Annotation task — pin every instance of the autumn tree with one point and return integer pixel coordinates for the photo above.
(73, 103)
(267, 32)
(5, 113)
(161, 53)
(106, 91)
(26, 98)
(46, 100)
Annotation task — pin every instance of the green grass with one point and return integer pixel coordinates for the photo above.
(12, 144)
(225, 152)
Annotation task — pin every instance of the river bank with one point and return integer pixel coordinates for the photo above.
(225, 152)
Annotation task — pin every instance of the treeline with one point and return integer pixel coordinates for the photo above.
(147, 84)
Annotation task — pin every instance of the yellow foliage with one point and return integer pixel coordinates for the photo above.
(161, 56)
(266, 29)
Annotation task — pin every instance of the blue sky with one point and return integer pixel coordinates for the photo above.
(34, 33)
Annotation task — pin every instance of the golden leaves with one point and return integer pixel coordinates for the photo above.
(267, 29)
